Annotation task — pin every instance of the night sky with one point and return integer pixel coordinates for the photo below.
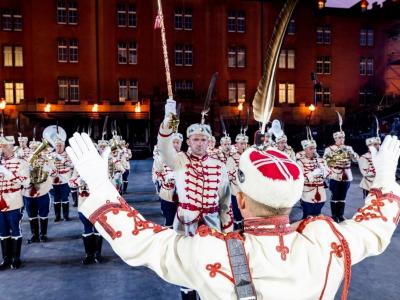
(347, 3)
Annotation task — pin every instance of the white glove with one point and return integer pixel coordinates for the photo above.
(6, 172)
(92, 167)
(385, 161)
(317, 172)
(170, 108)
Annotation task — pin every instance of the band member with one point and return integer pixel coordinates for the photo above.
(232, 165)
(166, 180)
(61, 176)
(366, 166)
(314, 195)
(233, 266)
(92, 240)
(14, 176)
(126, 155)
(202, 183)
(225, 149)
(282, 145)
(36, 195)
(115, 165)
(263, 141)
(23, 151)
(338, 158)
(211, 150)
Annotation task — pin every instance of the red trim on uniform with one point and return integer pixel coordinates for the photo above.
(262, 226)
(215, 268)
(164, 135)
(373, 211)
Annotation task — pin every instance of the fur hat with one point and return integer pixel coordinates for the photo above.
(241, 137)
(59, 140)
(198, 128)
(282, 138)
(7, 140)
(338, 134)
(225, 138)
(270, 177)
(34, 144)
(373, 140)
(177, 136)
(102, 143)
(22, 139)
(308, 143)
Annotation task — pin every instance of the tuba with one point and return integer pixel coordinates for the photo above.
(37, 175)
(338, 156)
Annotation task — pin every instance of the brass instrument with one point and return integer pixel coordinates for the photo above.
(174, 123)
(340, 156)
(37, 174)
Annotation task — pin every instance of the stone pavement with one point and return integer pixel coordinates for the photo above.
(53, 270)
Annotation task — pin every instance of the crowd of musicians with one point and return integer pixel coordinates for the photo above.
(35, 173)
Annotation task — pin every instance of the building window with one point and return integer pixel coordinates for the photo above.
(7, 55)
(126, 15)
(323, 95)
(67, 12)
(183, 55)
(367, 37)
(62, 48)
(236, 90)
(18, 57)
(132, 16)
(323, 65)
(132, 53)
(6, 19)
(291, 30)
(286, 93)
(366, 97)
(68, 51)
(236, 21)
(17, 20)
(286, 59)
(237, 57)
(14, 92)
(68, 89)
(127, 53)
(13, 56)
(183, 19)
(73, 51)
(121, 15)
(366, 66)
(324, 35)
(183, 85)
(128, 90)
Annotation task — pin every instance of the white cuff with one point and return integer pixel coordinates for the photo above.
(100, 196)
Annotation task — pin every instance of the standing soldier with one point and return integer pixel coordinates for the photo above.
(116, 167)
(338, 158)
(211, 150)
(36, 195)
(23, 151)
(126, 155)
(202, 183)
(232, 165)
(366, 166)
(166, 180)
(314, 195)
(225, 149)
(282, 145)
(14, 176)
(61, 175)
(92, 240)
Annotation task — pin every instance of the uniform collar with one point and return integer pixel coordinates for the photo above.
(276, 225)
(197, 158)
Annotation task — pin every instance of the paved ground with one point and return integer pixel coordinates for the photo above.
(53, 270)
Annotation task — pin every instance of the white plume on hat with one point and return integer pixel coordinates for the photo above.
(373, 140)
(270, 177)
